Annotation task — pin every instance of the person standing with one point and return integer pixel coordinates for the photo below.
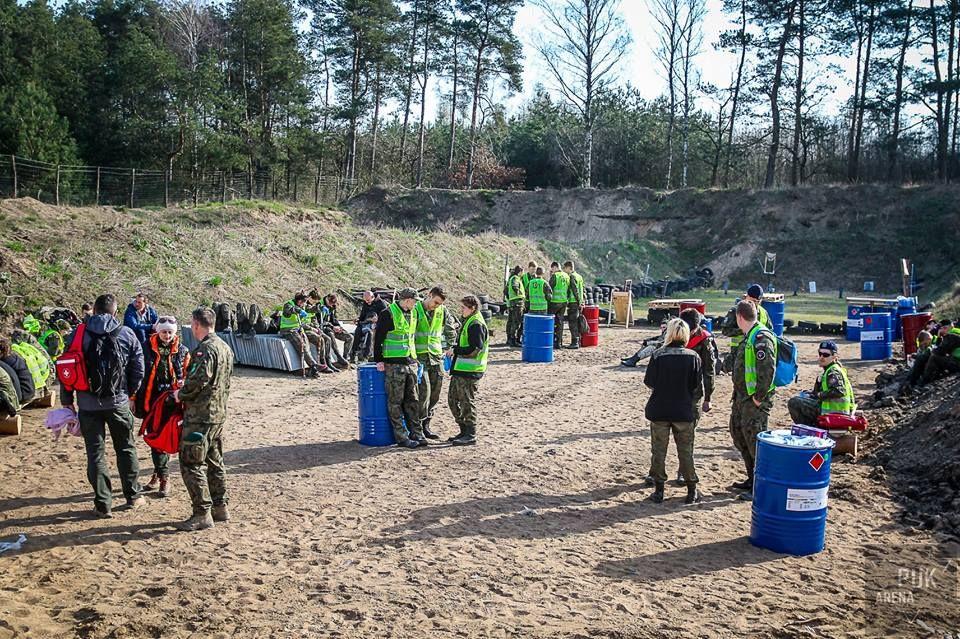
(515, 294)
(469, 364)
(395, 352)
(528, 275)
(114, 365)
(832, 393)
(165, 362)
(434, 327)
(703, 344)
(576, 299)
(754, 369)
(675, 377)
(140, 318)
(204, 395)
(559, 286)
(539, 294)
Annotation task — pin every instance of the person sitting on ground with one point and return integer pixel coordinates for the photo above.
(370, 310)
(140, 318)
(52, 339)
(333, 327)
(945, 358)
(293, 319)
(921, 357)
(832, 392)
(675, 376)
(86, 311)
(9, 401)
(21, 371)
(165, 362)
(647, 347)
(115, 367)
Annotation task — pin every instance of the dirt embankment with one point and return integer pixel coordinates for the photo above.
(835, 235)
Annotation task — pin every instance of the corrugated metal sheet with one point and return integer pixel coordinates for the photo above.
(262, 351)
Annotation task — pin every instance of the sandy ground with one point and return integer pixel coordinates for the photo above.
(542, 530)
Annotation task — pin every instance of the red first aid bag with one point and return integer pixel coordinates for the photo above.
(839, 421)
(71, 366)
(163, 425)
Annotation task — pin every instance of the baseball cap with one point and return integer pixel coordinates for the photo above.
(829, 345)
(755, 291)
(407, 294)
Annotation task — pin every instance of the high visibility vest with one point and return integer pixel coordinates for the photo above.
(956, 351)
(750, 359)
(515, 288)
(560, 290)
(401, 341)
(535, 292)
(292, 322)
(429, 336)
(764, 320)
(577, 296)
(846, 404)
(38, 363)
(525, 279)
(57, 345)
(477, 363)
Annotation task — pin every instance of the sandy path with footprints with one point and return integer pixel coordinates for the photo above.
(541, 530)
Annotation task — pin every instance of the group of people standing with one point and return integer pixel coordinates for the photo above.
(562, 296)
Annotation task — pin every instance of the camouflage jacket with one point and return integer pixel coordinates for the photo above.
(207, 387)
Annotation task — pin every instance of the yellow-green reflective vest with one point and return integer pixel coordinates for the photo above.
(750, 359)
(477, 363)
(54, 347)
(535, 292)
(429, 335)
(846, 404)
(515, 288)
(956, 351)
(38, 363)
(560, 290)
(400, 342)
(577, 296)
(525, 279)
(292, 322)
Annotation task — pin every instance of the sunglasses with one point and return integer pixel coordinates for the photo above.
(822, 354)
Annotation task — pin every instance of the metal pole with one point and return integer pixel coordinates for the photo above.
(166, 188)
(57, 193)
(98, 186)
(223, 186)
(133, 184)
(13, 163)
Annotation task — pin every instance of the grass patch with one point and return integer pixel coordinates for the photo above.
(16, 246)
(215, 281)
(806, 307)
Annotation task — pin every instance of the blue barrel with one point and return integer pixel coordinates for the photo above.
(790, 483)
(776, 312)
(375, 428)
(537, 338)
(855, 321)
(905, 306)
(876, 336)
(708, 323)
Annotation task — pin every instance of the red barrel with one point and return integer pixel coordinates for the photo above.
(700, 306)
(592, 336)
(913, 323)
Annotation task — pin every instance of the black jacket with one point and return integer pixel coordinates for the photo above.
(947, 344)
(675, 376)
(19, 366)
(371, 310)
(13, 378)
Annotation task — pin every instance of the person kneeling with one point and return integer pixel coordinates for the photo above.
(469, 363)
(831, 394)
(675, 376)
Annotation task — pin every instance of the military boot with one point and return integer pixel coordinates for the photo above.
(630, 362)
(152, 484)
(693, 495)
(657, 496)
(198, 521)
(164, 487)
(219, 513)
(429, 434)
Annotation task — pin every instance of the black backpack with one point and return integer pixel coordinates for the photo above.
(105, 369)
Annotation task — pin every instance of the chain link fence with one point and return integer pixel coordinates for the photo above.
(72, 185)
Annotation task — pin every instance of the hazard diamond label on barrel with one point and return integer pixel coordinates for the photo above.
(816, 462)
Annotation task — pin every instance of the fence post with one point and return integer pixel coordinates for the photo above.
(166, 188)
(223, 186)
(296, 194)
(13, 163)
(57, 192)
(316, 188)
(133, 184)
(98, 187)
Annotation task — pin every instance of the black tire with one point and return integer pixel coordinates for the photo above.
(809, 327)
(833, 329)
(484, 299)
(487, 315)
(788, 323)
(494, 308)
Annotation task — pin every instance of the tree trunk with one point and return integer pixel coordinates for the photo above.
(409, 93)
(375, 125)
(453, 99)
(775, 101)
(795, 177)
(894, 152)
(851, 134)
(949, 99)
(736, 91)
(855, 160)
(477, 77)
(671, 87)
(421, 136)
(941, 127)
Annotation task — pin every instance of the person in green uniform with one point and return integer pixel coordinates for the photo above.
(731, 329)
(469, 364)
(515, 296)
(576, 299)
(754, 369)
(832, 393)
(395, 352)
(434, 327)
(539, 294)
(559, 285)
(528, 275)
(204, 395)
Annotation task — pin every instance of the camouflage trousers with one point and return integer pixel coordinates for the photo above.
(201, 466)
(462, 399)
(431, 384)
(940, 365)
(559, 312)
(515, 322)
(302, 346)
(573, 321)
(804, 410)
(747, 420)
(403, 401)
(683, 436)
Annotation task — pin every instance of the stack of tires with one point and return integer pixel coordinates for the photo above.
(486, 308)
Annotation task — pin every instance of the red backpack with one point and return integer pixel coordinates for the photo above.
(163, 425)
(71, 366)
